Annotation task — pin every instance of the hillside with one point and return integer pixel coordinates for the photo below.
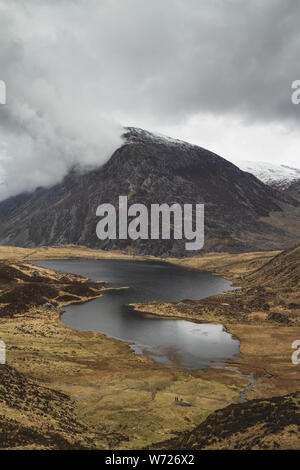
(31, 416)
(257, 424)
(154, 169)
(281, 271)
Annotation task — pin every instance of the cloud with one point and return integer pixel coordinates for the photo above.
(77, 69)
(237, 140)
(47, 125)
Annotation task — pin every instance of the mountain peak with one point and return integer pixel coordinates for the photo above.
(136, 134)
(152, 169)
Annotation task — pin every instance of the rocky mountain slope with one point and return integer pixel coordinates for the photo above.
(154, 169)
(293, 190)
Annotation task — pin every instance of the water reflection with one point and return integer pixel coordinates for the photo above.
(170, 341)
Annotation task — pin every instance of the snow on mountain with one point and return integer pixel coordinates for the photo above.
(279, 176)
(135, 133)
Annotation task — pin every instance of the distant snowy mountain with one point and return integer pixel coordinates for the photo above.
(278, 176)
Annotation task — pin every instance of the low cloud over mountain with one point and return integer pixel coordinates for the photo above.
(241, 212)
(75, 70)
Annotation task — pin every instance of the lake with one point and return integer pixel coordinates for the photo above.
(170, 341)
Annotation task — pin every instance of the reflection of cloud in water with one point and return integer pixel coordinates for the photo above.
(171, 341)
(197, 345)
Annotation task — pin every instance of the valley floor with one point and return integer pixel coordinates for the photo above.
(106, 391)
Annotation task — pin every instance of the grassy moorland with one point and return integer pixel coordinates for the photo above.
(64, 388)
(265, 315)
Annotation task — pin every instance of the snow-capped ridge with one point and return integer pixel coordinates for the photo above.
(278, 176)
(134, 133)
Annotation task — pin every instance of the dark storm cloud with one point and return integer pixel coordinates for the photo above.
(72, 67)
(221, 57)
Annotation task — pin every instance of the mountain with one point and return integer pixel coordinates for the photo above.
(241, 212)
(277, 176)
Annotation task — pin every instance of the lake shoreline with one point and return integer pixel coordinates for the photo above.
(149, 281)
(110, 387)
(101, 378)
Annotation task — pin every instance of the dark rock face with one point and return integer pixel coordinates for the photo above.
(151, 169)
(293, 190)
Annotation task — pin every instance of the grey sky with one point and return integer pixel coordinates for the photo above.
(215, 72)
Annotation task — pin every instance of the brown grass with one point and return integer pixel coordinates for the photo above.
(109, 387)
